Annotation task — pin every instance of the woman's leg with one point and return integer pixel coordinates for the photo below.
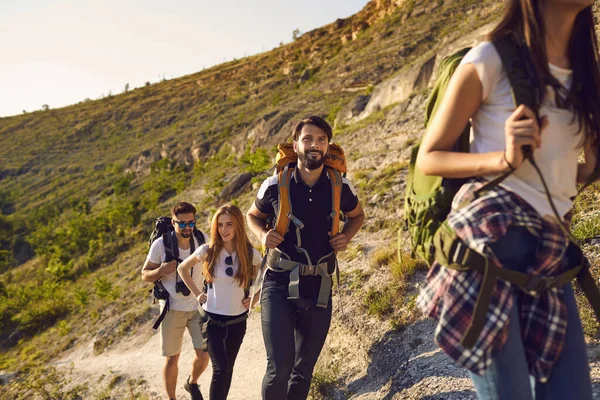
(235, 336)
(507, 378)
(218, 359)
(570, 377)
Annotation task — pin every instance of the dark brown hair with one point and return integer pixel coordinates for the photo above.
(313, 120)
(523, 20)
(182, 208)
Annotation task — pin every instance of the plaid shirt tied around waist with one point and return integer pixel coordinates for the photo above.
(449, 296)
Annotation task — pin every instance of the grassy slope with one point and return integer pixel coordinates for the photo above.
(56, 159)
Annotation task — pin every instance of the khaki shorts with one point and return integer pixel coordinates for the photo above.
(172, 328)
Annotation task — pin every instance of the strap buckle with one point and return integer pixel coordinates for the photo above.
(457, 252)
(308, 270)
(539, 283)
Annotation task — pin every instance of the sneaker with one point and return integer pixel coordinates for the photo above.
(193, 389)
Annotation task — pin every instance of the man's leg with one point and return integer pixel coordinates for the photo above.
(171, 335)
(170, 372)
(200, 361)
(312, 326)
(199, 365)
(278, 317)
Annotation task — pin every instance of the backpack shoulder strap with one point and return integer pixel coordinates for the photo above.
(199, 236)
(285, 203)
(525, 89)
(524, 83)
(169, 249)
(445, 71)
(336, 198)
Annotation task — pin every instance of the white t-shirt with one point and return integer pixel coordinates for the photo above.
(561, 140)
(177, 301)
(224, 296)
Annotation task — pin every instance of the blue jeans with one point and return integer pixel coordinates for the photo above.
(294, 332)
(507, 378)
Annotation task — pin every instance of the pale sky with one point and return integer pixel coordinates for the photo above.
(59, 52)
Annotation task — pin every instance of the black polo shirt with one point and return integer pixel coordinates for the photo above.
(312, 206)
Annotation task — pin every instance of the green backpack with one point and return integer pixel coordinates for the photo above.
(428, 198)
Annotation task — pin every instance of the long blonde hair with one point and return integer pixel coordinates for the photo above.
(242, 246)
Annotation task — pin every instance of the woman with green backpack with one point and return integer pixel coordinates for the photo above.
(530, 343)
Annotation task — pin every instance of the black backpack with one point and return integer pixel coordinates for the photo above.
(163, 227)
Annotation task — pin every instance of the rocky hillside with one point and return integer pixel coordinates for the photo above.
(80, 186)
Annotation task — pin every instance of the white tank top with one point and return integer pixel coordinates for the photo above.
(561, 140)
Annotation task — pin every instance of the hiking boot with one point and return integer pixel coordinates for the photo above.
(193, 389)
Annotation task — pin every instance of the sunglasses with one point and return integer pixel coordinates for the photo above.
(183, 224)
(229, 270)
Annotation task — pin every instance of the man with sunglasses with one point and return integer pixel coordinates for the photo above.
(183, 308)
(295, 321)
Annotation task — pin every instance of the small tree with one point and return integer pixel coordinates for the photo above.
(45, 107)
(296, 33)
(126, 88)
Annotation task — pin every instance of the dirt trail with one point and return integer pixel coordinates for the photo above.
(140, 358)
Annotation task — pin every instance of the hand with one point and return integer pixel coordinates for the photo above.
(167, 268)
(522, 129)
(202, 297)
(246, 302)
(255, 299)
(339, 242)
(271, 239)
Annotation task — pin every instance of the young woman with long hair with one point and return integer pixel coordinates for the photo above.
(229, 264)
(532, 343)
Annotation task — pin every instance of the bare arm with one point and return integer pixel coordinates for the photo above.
(257, 222)
(151, 272)
(462, 99)
(184, 270)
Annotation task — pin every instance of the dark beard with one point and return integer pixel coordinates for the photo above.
(311, 163)
(186, 235)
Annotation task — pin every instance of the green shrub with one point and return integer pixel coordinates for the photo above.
(39, 305)
(256, 161)
(103, 287)
(404, 268)
(81, 296)
(39, 381)
(166, 179)
(382, 257)
(122, 184)
(587, 227)
(379, 302)
(323, 384)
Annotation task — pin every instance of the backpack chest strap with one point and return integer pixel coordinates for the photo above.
(278, 264)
